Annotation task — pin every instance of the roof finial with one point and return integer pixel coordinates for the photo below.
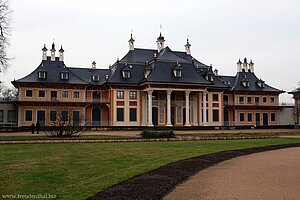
(160, 27)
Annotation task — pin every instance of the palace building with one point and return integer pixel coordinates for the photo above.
(147, 87)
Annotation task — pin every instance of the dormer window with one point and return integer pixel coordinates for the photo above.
(95, 77)
(126, 73)
(177, 71)
(42, 75)
(64, 75)
(209, 77)
(260, 83)
(246, 83)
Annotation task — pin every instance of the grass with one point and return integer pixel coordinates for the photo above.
(241, 134)
(82, 137)
(77, 171)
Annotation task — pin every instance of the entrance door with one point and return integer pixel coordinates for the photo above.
(155, 116)
(265, 119)
(226, 117)
(41, 117)
(257, 119)
(173, 115)
(96, 116)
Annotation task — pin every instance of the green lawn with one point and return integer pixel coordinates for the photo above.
(77, 171)
(82, 137)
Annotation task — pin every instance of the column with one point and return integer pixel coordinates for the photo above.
(187, 108)
(150, 108)
(19, 117)
(169, 108)
(204, 108)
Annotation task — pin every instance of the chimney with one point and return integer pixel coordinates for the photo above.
(239, 66)
(160, 42)
(251, 67)
(188, 47)
(245, 64)
(44, 57)
(53, 52)
(131, 43)
(61, 54)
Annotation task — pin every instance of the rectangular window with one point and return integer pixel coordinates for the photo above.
(1, 116)
(272, 99)
(215, 115)
(132, 95)
(52, 115)
(265, 99)
(76, 95)
(132, 116)
(11, 116)
(215, 97)
(242, 117)
(42, 75)
(249, 100)
(249, 116)
(120, 114)
(28, 115)
(256, 99)
(76, 117)
(64, 115)
(120, 94)
(96, 95)
(241, 99)
(64, 94)
(54, 94)
(29, 93)
(273, 117)
(64, 75)
(42, 93)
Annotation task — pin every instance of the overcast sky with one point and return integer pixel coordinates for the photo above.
(220, 32)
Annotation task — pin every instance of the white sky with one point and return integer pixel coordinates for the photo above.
(220, 31)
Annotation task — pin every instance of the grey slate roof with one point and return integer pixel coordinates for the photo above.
(235, 83)
(53, 69)
(137, 61)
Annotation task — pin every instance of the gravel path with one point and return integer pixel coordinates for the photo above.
(160, 182)
(268, 175)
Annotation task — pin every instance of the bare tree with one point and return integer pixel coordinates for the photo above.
(8, 93)
(5, 20)
(66, 124)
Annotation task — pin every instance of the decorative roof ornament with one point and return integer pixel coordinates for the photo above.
(61, 49)
(44, 48)
(131, 42)
(94, 65)
(188, 46)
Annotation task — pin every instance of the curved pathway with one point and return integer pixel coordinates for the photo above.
(266, 175)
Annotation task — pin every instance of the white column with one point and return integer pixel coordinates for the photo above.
(204, 108)
(169, 108)
(187, 108)
(150, 108)
(19, 117)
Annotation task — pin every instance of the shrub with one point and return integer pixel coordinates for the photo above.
(157, 134)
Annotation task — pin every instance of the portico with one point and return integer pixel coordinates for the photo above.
(175, 107)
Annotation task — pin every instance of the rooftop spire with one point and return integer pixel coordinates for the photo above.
(131, 42)
(44, 49)
(53, 52)
(61, 54)
(188, 46)
(160, 41)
